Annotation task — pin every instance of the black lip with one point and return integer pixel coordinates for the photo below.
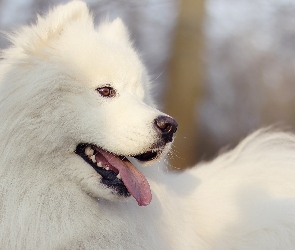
(109, 177)
(148, 156)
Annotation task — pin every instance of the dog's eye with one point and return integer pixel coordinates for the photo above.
(106, 91)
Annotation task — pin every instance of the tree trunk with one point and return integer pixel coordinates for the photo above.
(185, 81)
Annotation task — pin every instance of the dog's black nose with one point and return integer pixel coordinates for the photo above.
(167, 126)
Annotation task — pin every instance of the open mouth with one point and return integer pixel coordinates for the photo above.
(118, 172)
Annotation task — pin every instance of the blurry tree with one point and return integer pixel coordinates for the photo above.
(185, 81)
(250, 70)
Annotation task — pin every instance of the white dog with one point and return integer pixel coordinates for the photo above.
(77, 118)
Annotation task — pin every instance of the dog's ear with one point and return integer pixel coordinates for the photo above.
(50, 26)
(115, 30)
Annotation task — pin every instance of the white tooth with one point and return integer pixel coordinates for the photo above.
(89, 151)
(107, 168)
(99, 164)
(93, 158)
(119, 176)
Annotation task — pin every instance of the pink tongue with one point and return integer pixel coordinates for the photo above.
(134, 180)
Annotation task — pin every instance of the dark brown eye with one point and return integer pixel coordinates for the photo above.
(106, 91)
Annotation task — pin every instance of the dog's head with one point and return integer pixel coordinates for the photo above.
(84, 90)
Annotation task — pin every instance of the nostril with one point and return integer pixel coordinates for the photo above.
(167, 126)
(164, 127)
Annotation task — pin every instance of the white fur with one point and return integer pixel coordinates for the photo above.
(52, 199)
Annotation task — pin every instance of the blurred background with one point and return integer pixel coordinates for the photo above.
(221, 68)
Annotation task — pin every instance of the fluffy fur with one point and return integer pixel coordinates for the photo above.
(52, 199)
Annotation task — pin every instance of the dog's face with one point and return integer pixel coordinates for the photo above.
(95, 102)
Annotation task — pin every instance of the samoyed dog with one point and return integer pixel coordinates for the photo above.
(80, 148)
